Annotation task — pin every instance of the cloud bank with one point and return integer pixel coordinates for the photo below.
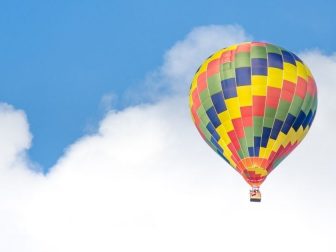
(145, 181)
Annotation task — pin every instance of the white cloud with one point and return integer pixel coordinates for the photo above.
(146, 181)
(183, 59)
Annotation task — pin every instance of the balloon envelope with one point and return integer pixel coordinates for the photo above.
(253, 103)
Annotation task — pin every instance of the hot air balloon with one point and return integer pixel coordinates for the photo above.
(253, 103)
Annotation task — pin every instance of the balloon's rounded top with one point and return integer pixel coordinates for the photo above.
(253, 103)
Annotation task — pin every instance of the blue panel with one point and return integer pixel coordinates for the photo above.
(297, 58)
(259, 71)
(288, 57)
(257, 141)
(276, 129)
(275, 60)
(307, 120)
(229, 93)
(265, 136)
(312, 119)
(243, 76)
(212, 114)
(288, 123)
(218, 101)
(299, 120)
(213, 131)
(251, 151)
(229, 88)
(228, 83)
(214, 142)
(259, 63)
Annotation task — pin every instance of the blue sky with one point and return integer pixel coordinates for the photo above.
(59, 58)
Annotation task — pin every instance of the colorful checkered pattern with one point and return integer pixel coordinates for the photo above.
(253, 103)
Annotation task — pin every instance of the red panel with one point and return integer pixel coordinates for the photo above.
(244, 48)
(195, 116)
(196, 99)
(213, 68)
(288, 90)
(288, 85)
(273, 95)
(234, 152)
(234, 139)
(258, 105)
(247, 121)
(234, 158)
(246, 111)
(238, 127)
(258, 44)
(311, 86)
(227, 57)
(247, 115)
(301, 87)
(201, 82)
(287, 95)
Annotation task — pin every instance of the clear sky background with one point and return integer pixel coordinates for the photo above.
(97, 94)
(58, 59)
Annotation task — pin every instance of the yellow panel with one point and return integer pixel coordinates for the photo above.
(259, 80)
(262, 152)
(222, 131)
(290, 72)
(269, 148)
(274, 77)
(308, 71)
(227, 153)
(244, 95)
(228, 125)
(217, 54)
(191, 103)
(259, 90)
(279, 141)
(260, 171)
(224, 116)
(233, 106)
(301, 70)
(225, 148)
(231, 48)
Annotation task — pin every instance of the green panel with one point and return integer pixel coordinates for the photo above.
(268, 122)
(242, 60)
(249, 136)
(205, 131)
(202, 115)
(241, 154)
(207, 103)
(258, 52)
(214, 84)
(205, 119)
(296, 106)
(257, 124)
(277, 162)
(226, 66)
(204, 95)
(315, 103)
(270, 112)
(273, 49)
(307, 103)
(228, 74)
(243, 146)
(282, 110)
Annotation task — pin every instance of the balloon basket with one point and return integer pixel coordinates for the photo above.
(255, 195)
